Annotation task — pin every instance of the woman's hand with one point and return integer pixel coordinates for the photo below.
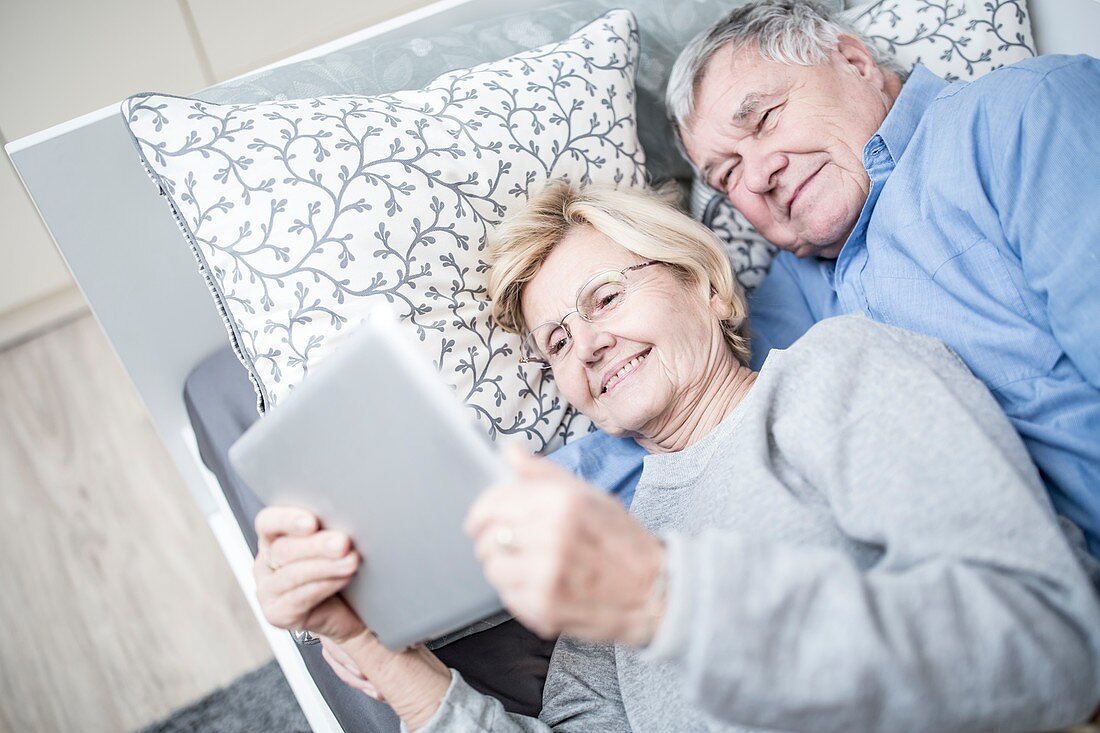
(413, 682)
(347, 670)
(566, 557)
(299, 569)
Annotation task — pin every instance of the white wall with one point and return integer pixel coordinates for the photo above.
(64, 58)
(1066, 26)
(239, 35)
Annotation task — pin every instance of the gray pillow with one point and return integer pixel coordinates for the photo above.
(376, 66)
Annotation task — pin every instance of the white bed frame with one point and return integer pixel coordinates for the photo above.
(128, 257)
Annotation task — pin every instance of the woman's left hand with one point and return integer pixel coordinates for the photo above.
(566, 557)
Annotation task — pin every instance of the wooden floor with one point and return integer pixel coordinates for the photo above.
(116, 606)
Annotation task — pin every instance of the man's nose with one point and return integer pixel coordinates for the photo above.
(762, 169)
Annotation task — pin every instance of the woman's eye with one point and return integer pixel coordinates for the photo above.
(603, 299)
(557, 344)
(607, 299)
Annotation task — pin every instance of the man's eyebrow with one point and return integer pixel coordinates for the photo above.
(748, 107)
(745, 110)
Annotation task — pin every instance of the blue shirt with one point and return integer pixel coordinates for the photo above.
(614, 464)
(982, 228)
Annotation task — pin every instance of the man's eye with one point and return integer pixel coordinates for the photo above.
(724, 179)
(764, 118)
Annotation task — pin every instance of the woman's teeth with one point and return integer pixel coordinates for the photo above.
(627, 367)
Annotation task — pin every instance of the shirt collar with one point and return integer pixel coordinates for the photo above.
(919, 90)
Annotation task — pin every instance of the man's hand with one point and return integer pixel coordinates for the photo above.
(299, 569)
(566, 557)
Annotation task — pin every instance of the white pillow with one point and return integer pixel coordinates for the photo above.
(960, 39)
(306, 214)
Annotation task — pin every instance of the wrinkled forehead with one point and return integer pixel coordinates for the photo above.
(732, 90)
(582, 254)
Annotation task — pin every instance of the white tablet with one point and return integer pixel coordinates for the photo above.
(375, 444)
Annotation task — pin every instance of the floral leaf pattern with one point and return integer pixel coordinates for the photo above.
(382, 64)
(749, 253)
(304, 215)
(956, 39)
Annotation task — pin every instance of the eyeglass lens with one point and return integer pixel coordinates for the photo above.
(599, 298)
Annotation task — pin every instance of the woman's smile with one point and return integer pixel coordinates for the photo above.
(620, 371)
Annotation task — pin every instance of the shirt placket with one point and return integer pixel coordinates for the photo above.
(847, 276)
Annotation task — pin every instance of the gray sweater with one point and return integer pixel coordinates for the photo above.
(861, 545)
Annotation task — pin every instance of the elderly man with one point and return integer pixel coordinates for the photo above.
(970, 212)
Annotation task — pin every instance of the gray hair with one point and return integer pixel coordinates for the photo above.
(799, 32)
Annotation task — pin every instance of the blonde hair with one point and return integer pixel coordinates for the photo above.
(640, 221)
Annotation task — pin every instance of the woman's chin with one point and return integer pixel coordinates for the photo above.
(626, 426)
(614, 431)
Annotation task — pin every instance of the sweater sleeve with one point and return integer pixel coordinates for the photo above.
(581, 694)
(974, 613)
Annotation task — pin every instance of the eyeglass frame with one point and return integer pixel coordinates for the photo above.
(544, 363)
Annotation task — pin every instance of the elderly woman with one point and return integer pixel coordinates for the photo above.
(851, 539)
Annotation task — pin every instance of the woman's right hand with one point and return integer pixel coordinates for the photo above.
(299, 570)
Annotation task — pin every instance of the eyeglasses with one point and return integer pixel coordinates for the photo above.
(601, 296)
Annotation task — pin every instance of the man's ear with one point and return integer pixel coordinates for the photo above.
(860, 60)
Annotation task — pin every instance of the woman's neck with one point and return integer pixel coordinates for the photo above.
(702, 408)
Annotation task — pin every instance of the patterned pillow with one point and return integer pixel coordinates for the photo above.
(957, 39)
(305, 215)
(379, 65)
(750, 254)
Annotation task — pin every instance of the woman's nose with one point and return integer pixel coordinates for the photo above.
(590, 340)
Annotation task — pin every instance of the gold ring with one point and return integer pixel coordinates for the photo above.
(270, 565)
